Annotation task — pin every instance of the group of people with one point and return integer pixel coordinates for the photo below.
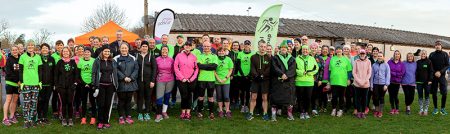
(293, 77)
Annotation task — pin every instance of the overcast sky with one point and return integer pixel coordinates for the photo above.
(65, 17)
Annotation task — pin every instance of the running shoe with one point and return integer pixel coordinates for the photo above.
(443, 112)
(183, 116)
(199, 115)
(274, 117)
(26, 125)
(366, 111)
(165, 115)
(100, 126)
(64, 122)
(396, 111)
(279, 112)
(83, 121)
(187, 117)
(242, 109)
(6, 122)
(158, 118)
(129, 120)
(408, 112)
(435, 111)
(228, 114)
(315, 113)
(121, 121)
(147, 117)
(92, 121)
(249, 116)
(266, 117)
(106, 125)
(333, 112)
(302, 116)
(13, 120)
(340, 113)
(70, 122)
(221, 115)
(140, 117)
(307, 116)
(211, 116)
(392, 112)
(77, 114)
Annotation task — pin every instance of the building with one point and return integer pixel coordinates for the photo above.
(240, 28)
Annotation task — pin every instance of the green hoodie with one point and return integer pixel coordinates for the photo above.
(306, 69)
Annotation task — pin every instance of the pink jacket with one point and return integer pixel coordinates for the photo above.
(362, 69)
(165, 69)
(185, 66)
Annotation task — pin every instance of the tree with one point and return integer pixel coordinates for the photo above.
(105, 13)
(42, 36)
(20, 39)
(3, 26)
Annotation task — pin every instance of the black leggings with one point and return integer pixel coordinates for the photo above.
(245, 91)
(338, 95)
(393, 95)
(44, 97)
(125, 103)
(350, 97)
(315, 96)
(409, 94)
(144, 97)
(442, 82)
(234, 90)
(55, 101)
(186, 90)
(87, 92)
(77, 97)
(423, 91)
(174, 92)
(378, 95)
(323, 96)
(304, 98)
(369, 97)
(360, 98)
(104, 101)
(67, 95)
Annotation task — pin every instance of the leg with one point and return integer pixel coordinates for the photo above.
(160, 88)
(433, 91)
(219, 96)
(129, 96)
(391, 91)
(443, 91)
(140, 97)
(121, 107)
(341, 92)
(210, 94)
(334, 100)
(226, 96)
(307, 98)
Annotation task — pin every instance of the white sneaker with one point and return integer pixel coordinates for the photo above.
(333, 113)
(315, 113)
(307, 116)
(302, 116)
(339, 113)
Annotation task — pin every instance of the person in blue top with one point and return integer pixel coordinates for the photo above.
(379, 82)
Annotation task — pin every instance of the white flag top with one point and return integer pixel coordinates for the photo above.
(163, 23)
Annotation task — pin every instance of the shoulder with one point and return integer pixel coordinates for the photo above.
(116, 57)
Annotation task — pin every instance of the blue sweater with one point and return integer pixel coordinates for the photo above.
(410, 73)
(381, 74)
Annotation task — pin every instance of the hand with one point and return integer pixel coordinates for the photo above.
(385, 88)
(75, 83)
(127, 79)
(231, 77)
(19, 83)
(437, 74)
(184, 80)
(95, 93)
(152, 84)
(284, 77)
(349, 82)
(328, 86)
(429, 83)
(87, 86)
(319, 83)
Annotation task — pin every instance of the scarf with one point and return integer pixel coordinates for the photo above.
(284, 60)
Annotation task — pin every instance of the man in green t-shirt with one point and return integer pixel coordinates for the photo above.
(87, 91)
(29, 83)
(242, 75)
(164, 42)
(207, 63)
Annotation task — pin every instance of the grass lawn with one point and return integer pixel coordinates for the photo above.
(323, 124)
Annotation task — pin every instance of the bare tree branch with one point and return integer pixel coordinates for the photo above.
(42, 36)
(4, 25)
(105, 13)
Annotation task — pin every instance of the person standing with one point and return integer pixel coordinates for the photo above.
(59, 45)
(306, 69)
(340, 70)
(127, 74)
(440, 62)
(105, 82)
(146, 81)
(186, 71)
(164, 83)
(424, 77)
(362, 70)
(207, 63)
(409, 81)
(379, 82)
(243, 76)
(115, 46)
(85, 67)
(12, 87)
(47, 77)
(223, 75)
(397, 72)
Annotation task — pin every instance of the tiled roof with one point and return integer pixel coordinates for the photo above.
(295, 27)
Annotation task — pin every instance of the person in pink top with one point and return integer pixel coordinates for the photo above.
(186, 71)
(362, 70)
(164, 83)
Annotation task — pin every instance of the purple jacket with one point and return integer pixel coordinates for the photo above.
(326, 68)
(397, 71)
(410, 73)
(165, 69)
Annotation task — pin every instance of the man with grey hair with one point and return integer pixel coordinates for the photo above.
(114, 46)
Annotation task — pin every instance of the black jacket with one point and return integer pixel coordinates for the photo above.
(155, 53)
(12, 69)
(439, 59)
(115, 47)
(260, 67)
(147, 68)
(46, 74)
(424, 71)
(282, 91)
(96, 72)
(233, 56)
(66, 74)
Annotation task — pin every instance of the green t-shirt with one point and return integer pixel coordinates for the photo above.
(245, 62)
(30, 69)
(85, 67)
(223, 67)
(339, 67)
(196, 52)
(171, 49)
(56, 56)
(205, 75)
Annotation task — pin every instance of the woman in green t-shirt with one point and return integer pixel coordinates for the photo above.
(223, 74)
(340, 69)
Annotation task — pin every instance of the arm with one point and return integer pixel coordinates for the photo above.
(135, 73)
(300, 68)
(388, 76)
(277, 70)
(266, 71)
(194, 76)
(154, 69)
(430, 71)
(292, 69)
(446, 64)
(176, 69)
(94, 72)
(253, 70)
(238, 67)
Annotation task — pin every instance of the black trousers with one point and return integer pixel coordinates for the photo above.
(55, 101)
(67, 95)
(104, 101)
(393, 95)
(144, 95)
(409, 94)
(304, 98)
(85, 93)
(338, 97)
(186, 90)
(350, 97)
(360, 98)
(378, 94)
(124, 108)
(440, 82)
(44, 97)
